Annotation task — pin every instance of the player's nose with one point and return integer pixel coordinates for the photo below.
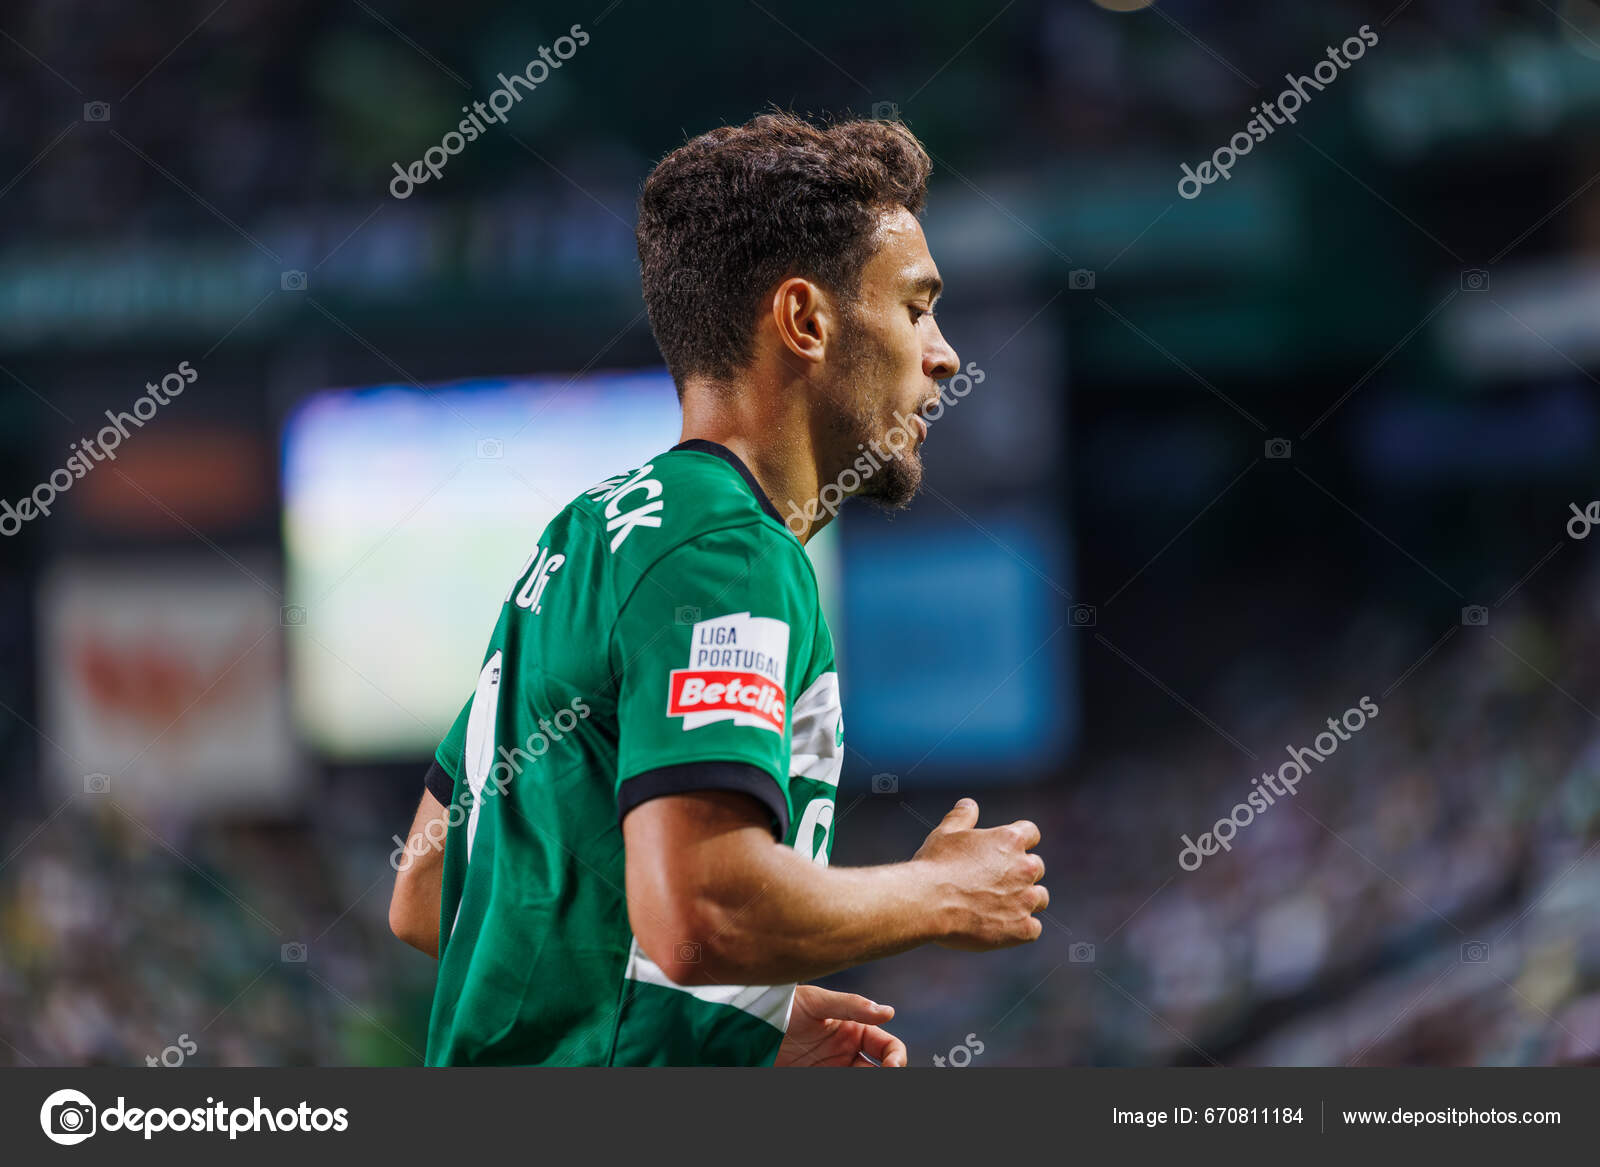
(939, 360)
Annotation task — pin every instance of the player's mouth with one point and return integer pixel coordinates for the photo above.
(921, 419)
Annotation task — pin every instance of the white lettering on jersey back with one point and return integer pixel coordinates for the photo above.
(522, 571)
(607, 484)
(544, 565)
(613, 490)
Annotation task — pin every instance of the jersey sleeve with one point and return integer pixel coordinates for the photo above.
(447, 759)
(708, 649)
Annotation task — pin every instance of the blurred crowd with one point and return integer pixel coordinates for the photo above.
(257, 944)
(269, 107)
(1425, 898)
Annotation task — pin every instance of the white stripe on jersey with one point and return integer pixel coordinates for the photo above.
(815, 749)
(771, 1003)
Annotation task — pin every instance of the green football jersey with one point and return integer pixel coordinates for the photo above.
(664, 636)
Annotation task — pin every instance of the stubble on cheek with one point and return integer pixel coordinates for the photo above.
(865, 427)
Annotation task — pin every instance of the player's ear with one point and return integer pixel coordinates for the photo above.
(802, 316)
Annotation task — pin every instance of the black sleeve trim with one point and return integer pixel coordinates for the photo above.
(440, 784)
(691, 776)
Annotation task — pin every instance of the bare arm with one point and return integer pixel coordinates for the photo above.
(713, 900)
(414, 907)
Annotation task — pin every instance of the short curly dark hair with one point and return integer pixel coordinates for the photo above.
(731, 213)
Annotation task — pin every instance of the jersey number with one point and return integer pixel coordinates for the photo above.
(818, 813)
(480, 740)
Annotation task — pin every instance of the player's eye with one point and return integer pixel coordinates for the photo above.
(918, 313)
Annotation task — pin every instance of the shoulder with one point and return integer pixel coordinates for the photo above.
(680, 506)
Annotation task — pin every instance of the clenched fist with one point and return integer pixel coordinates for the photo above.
(987, 880)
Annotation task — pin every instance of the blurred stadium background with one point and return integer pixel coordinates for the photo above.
(1235, 462)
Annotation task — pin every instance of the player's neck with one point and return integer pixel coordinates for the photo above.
(776, 445)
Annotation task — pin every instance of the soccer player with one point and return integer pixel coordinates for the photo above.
(637, 803)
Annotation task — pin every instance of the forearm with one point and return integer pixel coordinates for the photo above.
(419, 877)
(414, 917)
(782, 918)
(713, 899)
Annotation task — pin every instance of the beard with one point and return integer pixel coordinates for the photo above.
(860, 426)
